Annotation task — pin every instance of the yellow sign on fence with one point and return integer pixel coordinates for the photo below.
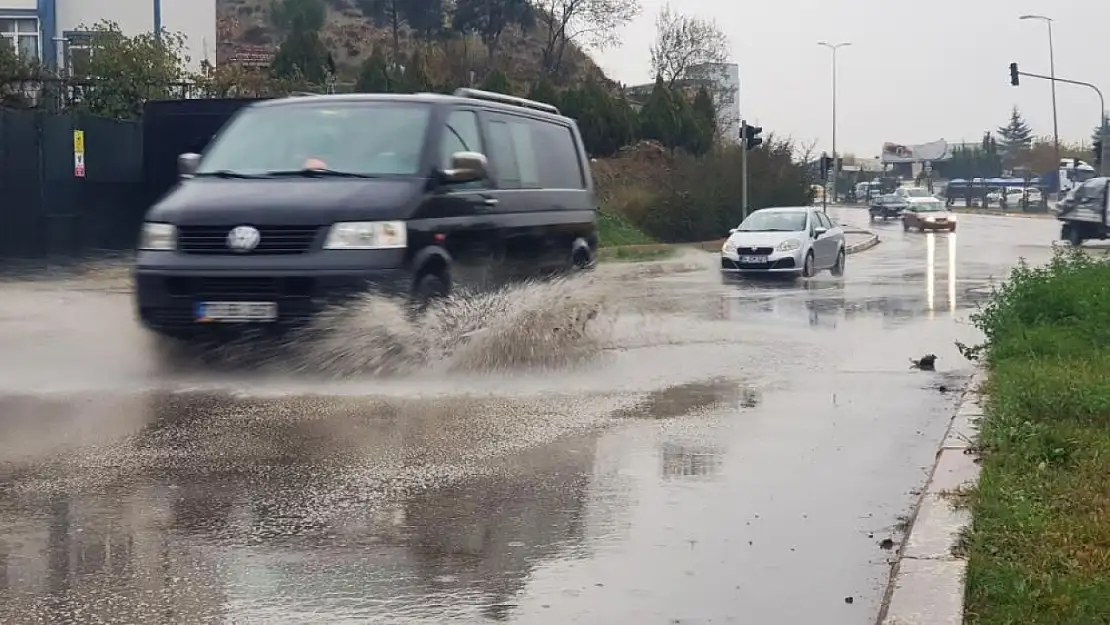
(79, 153)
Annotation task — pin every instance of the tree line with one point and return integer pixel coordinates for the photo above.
(1015, 149)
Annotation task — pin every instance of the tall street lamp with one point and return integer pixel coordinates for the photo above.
(1052, 77)
(835, 162)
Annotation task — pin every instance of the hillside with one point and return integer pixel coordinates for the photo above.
(246, 35)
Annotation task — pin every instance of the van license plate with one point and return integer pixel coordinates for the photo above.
(753, 260)
(236, 312)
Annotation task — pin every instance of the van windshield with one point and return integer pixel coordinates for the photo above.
(356, 138)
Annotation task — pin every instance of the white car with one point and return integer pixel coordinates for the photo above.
(796, 241)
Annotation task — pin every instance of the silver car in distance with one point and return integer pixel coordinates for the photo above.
(798, 241)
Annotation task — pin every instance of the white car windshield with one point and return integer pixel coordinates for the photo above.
(356, 138)
(916, 193)
(774, 221)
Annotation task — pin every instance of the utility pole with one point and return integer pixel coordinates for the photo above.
(836, 164)
(1052, 77)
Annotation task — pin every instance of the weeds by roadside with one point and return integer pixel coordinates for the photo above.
(1039, 547)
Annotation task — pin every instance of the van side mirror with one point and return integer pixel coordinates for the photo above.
(467, 167)
(733, 230)
(819, 231)
(187, 164)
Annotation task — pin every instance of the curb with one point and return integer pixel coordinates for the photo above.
(927, 580)
(862, 246)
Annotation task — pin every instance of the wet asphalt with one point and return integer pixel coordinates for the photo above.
(721, 454)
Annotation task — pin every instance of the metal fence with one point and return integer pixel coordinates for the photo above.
(47, 209)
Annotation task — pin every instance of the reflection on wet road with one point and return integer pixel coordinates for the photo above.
(729, 453)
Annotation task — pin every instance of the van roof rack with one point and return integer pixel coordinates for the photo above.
(478, 94)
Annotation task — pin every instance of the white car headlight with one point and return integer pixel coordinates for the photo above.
(729, 246)
(160, 237)
(951, 216)
(367, 235)
(789, 245)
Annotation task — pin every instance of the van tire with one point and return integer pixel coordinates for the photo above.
(428, 288)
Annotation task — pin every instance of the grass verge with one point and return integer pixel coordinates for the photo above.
(622, 241)
(1039, 546)
(616, 231)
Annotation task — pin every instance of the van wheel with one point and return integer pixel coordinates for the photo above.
(581, 256)
(429, 287)
(1074, 235)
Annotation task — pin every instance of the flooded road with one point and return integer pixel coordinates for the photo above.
(711, 454)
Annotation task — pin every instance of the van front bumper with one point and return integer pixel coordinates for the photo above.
(168, 287)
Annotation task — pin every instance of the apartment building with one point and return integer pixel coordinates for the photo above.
(52, 29)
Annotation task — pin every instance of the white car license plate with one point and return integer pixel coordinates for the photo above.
(236, 312)
(753, 260)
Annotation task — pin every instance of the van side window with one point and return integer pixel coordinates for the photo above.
(534, 154)
(558, 159)
(460, 134)
(503, 155)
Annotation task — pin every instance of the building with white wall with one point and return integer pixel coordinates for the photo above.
(48, 29)
(723, 82)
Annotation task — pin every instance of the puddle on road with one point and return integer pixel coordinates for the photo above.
(441, 505)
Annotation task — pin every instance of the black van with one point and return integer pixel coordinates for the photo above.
(304, 201)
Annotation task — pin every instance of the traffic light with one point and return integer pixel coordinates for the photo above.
(751, 137)
(826, 166)
(1014, 75)
(1098, 153)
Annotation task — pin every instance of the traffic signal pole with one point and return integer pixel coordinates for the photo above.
(744, 168)
(1014, 73)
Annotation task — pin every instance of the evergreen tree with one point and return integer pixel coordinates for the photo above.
(302, 55)
(1016, 137)
(373, 76)
(703, 116)
(497, 82)
(658, 117)
(544, 91)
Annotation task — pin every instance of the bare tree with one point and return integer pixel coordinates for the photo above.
(684, 43)
(588, 23)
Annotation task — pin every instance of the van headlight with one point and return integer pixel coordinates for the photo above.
(367, 235)
(789, 245)
(157, 237)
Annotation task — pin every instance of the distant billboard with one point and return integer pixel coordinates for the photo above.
(252, 56)
(899, 153)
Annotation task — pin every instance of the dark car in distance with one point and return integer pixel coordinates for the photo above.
(303, 202)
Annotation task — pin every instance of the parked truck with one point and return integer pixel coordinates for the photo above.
(1086, 212)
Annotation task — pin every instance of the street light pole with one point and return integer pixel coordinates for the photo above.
(1052, 74)
(835, 162)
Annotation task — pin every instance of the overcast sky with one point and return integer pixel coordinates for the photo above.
(915, 72)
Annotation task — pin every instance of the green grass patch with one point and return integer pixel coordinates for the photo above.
(615, 231)
(1039, 546)
(639, 255)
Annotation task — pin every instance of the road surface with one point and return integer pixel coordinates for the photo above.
(701, 453)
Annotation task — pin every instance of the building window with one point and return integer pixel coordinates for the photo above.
(23, 35)
(78, 52)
